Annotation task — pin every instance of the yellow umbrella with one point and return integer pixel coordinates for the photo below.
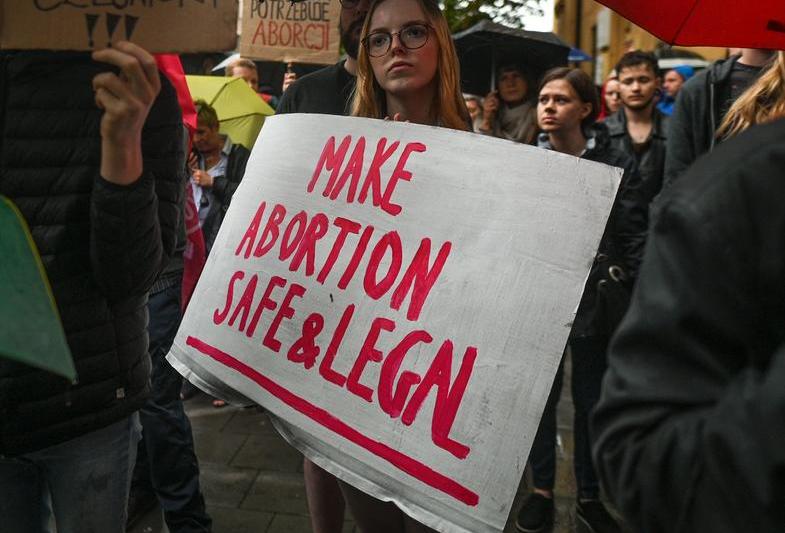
(240, 110)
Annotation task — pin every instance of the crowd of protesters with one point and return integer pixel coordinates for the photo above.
(688, 279)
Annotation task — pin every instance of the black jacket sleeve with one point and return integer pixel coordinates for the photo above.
(680, 143)
(286, 103)
(134, 228)
(689, 432)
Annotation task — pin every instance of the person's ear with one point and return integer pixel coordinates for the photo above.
(586, 108)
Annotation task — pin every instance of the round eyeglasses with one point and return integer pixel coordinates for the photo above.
(412, 37)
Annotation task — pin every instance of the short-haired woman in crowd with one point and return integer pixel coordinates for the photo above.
(510, 111)
(566, 113)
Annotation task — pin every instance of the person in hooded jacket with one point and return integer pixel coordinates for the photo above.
(91, 153)
(567, 109)
(701, 106)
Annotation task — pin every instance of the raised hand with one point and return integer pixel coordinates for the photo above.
(490, 107)
(126, 99)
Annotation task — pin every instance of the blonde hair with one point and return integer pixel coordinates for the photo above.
(448, 106)
(762, 102)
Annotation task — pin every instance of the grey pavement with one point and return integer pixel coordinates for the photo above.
(252, 479)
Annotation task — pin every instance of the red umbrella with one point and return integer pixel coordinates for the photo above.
(733, 23)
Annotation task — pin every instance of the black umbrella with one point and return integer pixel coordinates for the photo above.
(487, 45)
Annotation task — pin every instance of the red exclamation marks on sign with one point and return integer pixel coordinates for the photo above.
(91, 20)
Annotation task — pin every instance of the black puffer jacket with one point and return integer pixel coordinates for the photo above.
(690, 428)
(625, 233)
(102, 245)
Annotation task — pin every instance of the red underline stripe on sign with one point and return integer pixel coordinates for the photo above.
(401, 461)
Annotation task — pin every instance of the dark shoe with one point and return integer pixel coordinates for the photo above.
(535, 515)
(140, 502)
(591, 516)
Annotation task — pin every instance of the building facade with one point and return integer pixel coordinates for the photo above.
(606, 36)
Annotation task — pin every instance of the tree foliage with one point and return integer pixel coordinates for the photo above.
(462, 14)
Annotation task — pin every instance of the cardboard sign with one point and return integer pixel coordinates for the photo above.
(400, 296)
(301, 32)
(156, 25)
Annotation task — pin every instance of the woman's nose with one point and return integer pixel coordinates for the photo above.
(396, 43)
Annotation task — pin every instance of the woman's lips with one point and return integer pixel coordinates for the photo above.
(399, 65)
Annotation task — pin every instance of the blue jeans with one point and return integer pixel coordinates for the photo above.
(167, 462)
(589, 362)
(83, 481)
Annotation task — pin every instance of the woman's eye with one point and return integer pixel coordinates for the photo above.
(415, 31)
(378, 40)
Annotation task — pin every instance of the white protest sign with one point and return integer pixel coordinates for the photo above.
(400, 296)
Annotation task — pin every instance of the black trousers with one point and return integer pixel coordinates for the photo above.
(166, 461)
(589, 361)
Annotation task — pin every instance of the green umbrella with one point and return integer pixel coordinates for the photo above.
(240, 110)
(31, 332)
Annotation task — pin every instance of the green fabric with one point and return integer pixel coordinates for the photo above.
(240, 110)
(31, 331)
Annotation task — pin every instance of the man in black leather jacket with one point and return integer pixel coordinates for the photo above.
(639, 129)
(690, 428)
(91, 153)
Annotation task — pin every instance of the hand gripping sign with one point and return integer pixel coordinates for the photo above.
(400, 296)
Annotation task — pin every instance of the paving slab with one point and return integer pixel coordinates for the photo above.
(226, 486)
(268, 453)
(217, 448)
(278, 492)
(286, 523)
(230, 520)
(205, 417)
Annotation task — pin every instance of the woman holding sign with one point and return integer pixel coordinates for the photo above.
(407, 70)
(407, 67)
(566, 112)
